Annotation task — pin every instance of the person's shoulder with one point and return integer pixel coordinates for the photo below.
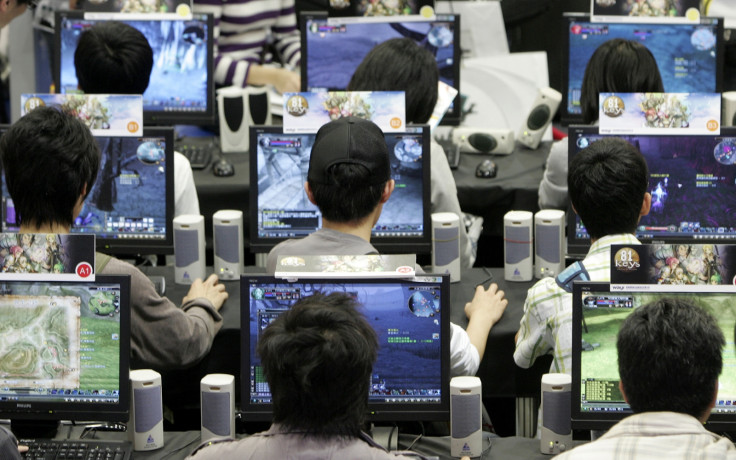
(544, 289)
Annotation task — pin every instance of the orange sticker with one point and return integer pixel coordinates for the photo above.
(396, 123)
(132, 127)
(712, 125)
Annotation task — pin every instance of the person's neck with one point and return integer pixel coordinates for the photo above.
(362, 229)
(44, 228)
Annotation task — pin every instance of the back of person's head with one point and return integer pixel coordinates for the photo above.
(618, 66)
(48, 159)
(400, 64)
(670, 357)
(317, 358)
(607, 182)
(114, 58)
(348, 169)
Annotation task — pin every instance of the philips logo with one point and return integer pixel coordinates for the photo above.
(23, 406)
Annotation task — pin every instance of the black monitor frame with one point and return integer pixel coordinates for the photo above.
(602, 420)
(134, 246)
(352, 9)
(568, 118)
(377, 412)
(150, 117)
(49, 412)
(578, 247)
(453, 114)
(385, 244)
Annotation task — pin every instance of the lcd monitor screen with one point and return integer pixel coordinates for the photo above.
(181, 89)
(410, 378)
(280, 208)
(598, 313)
(332, 48)
(130, 207)
(689, 55)
(692, 180)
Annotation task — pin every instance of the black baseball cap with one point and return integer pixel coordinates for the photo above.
(350, 140)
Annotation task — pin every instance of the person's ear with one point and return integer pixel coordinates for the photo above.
(388, 189)
(623, 393)
(310, 195)
(646, 205)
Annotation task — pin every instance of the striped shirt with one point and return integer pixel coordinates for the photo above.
(655, 435)
(547, 322)
(242, 30)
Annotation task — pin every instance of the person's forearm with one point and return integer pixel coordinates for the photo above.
(478, 330)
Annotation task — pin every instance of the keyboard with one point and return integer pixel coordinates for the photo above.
(199, 154)
(82, 449)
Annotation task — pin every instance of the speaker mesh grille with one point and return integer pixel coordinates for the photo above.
(538, 117)
(233, 108)
(446, 248)
(548, 243)
(465, 415)
(226, 243)
(556, 411)
(517, 244)
(186, 247)
(216, 412)
(148, 409)
(258, 104)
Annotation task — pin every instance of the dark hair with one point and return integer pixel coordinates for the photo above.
(351, 197)
(48, 157)
(670, 357)
(400, 64)
(607, 182)
(317, 359)
(618, 65)
(113, 57)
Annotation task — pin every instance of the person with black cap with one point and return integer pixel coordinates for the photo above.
(349, 180)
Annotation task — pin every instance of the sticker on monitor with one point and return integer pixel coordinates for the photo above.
(645, 10)
(659, 113)
(52, 256)
(359, 266)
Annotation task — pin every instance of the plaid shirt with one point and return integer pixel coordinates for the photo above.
(547, 322)
(655, 435)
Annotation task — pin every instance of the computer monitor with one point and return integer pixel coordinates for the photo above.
(362, 7)
(689, 55)
(181, 88)
(692, 181)
(66, 350)
(130, 208)
(280, 209)
(332, 48)
(411, 317)
(597, 315)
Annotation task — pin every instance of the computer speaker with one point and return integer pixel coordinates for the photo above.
(543, 110)
(217, 401)
(728, 108)
(146, 410)
(556, 436)
(476, 140)
(228, 243)
(446, 244)
(517, 246)
(466, 430)
(549, 242)
(239, 108)
(189, 248)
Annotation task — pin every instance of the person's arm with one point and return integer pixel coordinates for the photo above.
(285, 81)
(9, 448)
(483, 312)
(553, 187)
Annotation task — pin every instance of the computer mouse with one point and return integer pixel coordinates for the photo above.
(486, 169)
(223, 168)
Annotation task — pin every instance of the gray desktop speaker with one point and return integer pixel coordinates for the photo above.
(446, 244)
(556, 436)
(543, 110)
(146, 410)
(549, 243)
(475, 140)
(238, 109)
(217, 402)
(517, 246)
(228, 243)
(189, 248)
(728, 108)
(466, 437)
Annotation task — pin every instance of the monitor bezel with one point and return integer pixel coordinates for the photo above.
(150, 117)
(76, 411)
(312, 5)
(385, 245)
(581, 420)
(567, 118)
(376, 413)
(578, 248)
(453, 116)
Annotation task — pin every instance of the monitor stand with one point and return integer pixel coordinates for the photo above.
(33, 429)
(386, 436)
